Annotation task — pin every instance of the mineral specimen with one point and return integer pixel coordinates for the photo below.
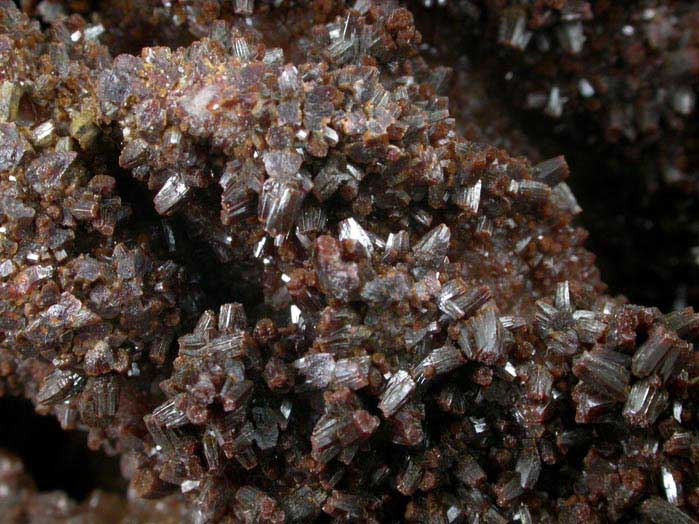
(410, 330)
(613, 85)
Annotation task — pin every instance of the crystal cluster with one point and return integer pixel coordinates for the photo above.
(611, 85)
(414, 333)
(89, 300)
(627, 71)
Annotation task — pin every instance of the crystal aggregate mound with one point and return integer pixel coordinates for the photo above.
(438, 347)
(625, 74)
(626, 61)
(89, 301)
(624, 81)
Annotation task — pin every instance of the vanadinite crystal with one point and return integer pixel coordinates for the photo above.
(275, 272)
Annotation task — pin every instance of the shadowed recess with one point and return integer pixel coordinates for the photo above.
(55, 459)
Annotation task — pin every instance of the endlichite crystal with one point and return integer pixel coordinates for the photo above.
(647, 400)
(399, 387)
(604, 373)
(658, 353)
(171, 194)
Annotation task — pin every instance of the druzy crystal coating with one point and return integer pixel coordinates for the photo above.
(412, 331)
